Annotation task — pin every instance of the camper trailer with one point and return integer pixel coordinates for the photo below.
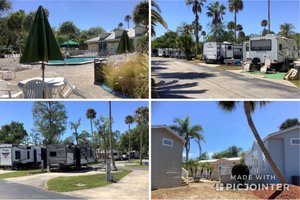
(218, 52)
(87, 155)
(160, 52)
(20, 156)
(279, 51)
(246, 51)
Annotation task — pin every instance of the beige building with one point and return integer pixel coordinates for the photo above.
(107, 43)
(221, 167)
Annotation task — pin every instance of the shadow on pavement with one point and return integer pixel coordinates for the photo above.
(158, 68)
(183, 75)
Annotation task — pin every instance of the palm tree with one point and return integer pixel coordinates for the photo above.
(127, 19)
(196, 8)
(188, 132)
(75, 125)
(235, 6)
(203, 33)
(264, 23)
(140, 14)
(114, 168)
(249, 108)
(286, 29)
(141, 117)
(239, 27)
(120, 25)
(91, 114)
(216, 12)
(230, 25)
(288, 123)
(156, 17)
(129, 120)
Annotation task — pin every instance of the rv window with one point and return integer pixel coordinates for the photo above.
(17, 155)
(167, 142)
(260, 45)
(28, 155)
(295, 141)
(280, 47)
(229, 47)
(52, 154)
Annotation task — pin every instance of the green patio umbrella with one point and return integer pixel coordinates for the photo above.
(69, 43)
(41, 44)
(125, 45)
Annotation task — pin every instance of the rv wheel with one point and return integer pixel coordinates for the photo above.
(255, 61)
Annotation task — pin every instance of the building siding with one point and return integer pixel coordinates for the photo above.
(166, 161)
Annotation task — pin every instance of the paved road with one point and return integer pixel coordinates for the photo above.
(12, 190)
(181, 79)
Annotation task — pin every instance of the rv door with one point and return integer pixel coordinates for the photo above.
(228, 51)
(5, 156)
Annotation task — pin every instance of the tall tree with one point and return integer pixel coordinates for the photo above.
(216, 12)
(286, 29)
(5, 6)
(129, 120)
(156, 18)
(127, 19)
(184, 129)
(75, 126)
(114, 168)
(141, 117)
(235, 6)
(68, 29)
(249, 108)
(141, 14)
(13, 133)
(288, 123)
(197, 9)
(91, 115)
(50, 120)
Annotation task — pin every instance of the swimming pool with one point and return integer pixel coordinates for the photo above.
(72, 61)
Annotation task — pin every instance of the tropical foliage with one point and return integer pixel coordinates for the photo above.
(156, 18)
(231, 152)
(288, 123)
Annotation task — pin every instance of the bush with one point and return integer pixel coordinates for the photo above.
(129, 78)
(241, 172)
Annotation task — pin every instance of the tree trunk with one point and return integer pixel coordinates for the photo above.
(247, 108)
(129, 141)
(196, 33)
(186, 154)
(141, 146)
(234, 25)
(114, 168)
(269, 17)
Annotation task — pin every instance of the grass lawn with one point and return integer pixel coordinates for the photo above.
(20, 173)
(228, 67)
(71, 183)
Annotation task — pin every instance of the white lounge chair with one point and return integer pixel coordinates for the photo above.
(70, 89)
(36, 89)
(5, 92)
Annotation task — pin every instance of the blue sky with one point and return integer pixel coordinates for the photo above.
(84, 13)
(21, 111)
(223, 129)
(175, 12)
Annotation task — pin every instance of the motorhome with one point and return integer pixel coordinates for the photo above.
(62, 156)
(281, 52)
(218, 52)
(20, 155)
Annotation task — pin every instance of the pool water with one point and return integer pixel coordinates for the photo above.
(72, 61)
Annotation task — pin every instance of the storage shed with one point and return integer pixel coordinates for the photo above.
(166, 157)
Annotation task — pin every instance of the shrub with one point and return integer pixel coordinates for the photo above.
(241, 172)
(129, 78)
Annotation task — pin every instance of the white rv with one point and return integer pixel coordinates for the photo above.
(160, 52)
(19, 155)
(246, 51)
(218, 52)
(280, 51)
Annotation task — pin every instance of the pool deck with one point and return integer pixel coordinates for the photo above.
(82, 76)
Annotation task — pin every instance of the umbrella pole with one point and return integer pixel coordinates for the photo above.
(43, 75)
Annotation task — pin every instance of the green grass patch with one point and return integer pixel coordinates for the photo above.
(296, 82)
(71, 183)
(20, 173)
(228, 67)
